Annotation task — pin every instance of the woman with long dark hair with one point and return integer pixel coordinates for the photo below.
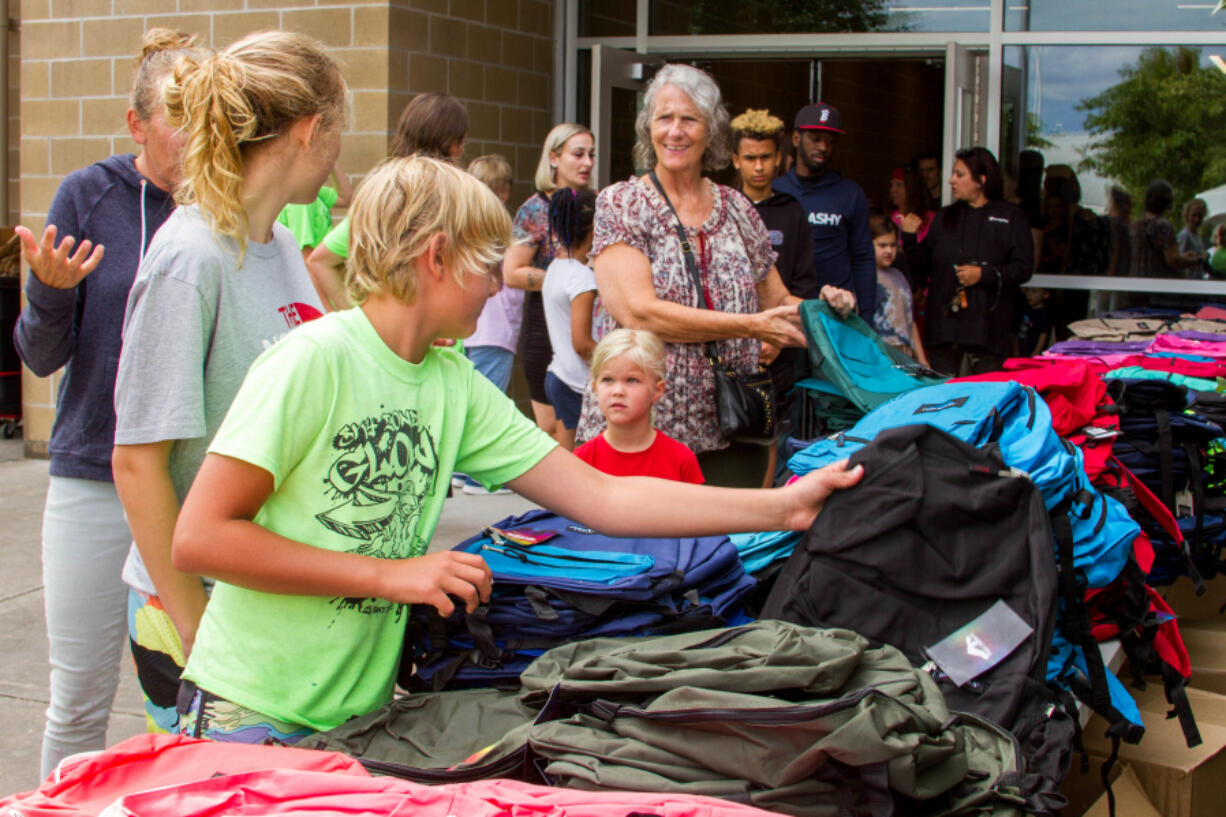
(977, 254)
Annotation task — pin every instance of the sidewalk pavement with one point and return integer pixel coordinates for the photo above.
(23, 642)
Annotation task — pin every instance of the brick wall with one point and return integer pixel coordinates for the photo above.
(496, 56)
(76, 69)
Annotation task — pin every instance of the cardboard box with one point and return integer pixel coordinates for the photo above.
(1182, 598)
(1206, 643)
(1179, 782)
(1130, 799)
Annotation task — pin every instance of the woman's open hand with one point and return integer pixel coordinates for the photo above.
(779, 326)
(53, 265)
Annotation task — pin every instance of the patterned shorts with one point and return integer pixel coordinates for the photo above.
(158, 656)
(204, 715)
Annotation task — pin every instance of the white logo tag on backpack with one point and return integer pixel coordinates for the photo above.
(976, 648)
(981, 644)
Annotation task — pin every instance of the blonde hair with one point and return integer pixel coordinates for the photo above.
(757, 122)
(492, 170)
(400, 206)
(226, 102)
(160, 48)
(643, 348)
(546, 174)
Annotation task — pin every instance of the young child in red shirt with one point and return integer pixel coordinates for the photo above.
(628, 378)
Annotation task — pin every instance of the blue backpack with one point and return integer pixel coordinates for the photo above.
(1015, 418)
(1093, 533)
(557, 581)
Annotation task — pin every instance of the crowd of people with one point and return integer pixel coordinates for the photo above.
(261, 411)
(252, 451)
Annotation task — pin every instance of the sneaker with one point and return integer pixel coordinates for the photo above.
(458, 480)
(477, 489)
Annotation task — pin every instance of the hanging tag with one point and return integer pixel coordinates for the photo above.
(976, 647)
(520, 536)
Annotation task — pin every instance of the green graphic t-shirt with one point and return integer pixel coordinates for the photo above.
(361, 445)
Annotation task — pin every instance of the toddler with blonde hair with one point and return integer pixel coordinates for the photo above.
(627, 379)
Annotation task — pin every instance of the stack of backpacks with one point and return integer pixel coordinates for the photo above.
(797, 720)
(921, 649)
(555, 582)
(1089, 536)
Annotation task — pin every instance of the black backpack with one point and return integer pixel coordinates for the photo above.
(936, 534)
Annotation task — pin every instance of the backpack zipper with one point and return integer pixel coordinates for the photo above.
(766, 716)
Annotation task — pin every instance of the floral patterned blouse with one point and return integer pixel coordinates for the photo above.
(531, 226)
(733, 253)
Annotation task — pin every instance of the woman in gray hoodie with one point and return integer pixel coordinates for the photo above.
(104, 217)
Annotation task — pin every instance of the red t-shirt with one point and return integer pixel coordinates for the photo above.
(664, 458)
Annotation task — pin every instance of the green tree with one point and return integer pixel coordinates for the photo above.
(787, 16)
(1163, 120)
(1034, 133)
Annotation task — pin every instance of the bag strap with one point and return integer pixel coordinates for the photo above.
(687, 252)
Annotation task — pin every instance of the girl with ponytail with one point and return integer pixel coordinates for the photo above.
(221, 282)
(569, 295)
(104, 216)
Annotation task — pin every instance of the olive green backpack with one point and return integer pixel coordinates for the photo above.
(793, 719)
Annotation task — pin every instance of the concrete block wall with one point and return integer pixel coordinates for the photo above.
(76, 64)
(496, 56)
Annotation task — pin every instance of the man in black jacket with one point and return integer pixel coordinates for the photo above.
(757, 139)
(756, 153)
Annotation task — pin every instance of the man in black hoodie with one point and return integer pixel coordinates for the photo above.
(837, 208)
(756, 153)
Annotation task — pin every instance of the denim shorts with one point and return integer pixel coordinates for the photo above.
(567, 403)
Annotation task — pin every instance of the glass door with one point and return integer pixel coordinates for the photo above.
(617, 82)
(966, 105)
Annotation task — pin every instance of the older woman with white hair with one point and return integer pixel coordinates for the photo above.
(644, 281)
(566, 161)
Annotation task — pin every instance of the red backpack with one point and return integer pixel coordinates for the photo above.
(1081, 410)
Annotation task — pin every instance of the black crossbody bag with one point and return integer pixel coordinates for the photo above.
(745, 403)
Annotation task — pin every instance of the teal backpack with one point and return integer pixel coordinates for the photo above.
(849, 354)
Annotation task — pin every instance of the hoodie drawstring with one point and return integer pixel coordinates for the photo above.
(143, 182)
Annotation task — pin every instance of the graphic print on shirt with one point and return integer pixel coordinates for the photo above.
(294, 314)
(385, 470)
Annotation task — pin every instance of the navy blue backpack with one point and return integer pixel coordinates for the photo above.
(556, 581)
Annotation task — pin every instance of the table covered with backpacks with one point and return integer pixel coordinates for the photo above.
(923, 649)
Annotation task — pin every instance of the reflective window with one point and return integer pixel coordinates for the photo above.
(607, 18)
(672, 17)
(1118, 15)
(1081, 121)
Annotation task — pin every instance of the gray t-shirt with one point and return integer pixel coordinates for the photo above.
(193, 325)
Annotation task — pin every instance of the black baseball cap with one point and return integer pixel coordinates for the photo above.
(820, 116)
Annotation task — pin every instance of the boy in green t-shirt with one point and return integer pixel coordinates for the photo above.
(322, 488)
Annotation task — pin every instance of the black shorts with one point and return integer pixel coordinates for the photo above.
(537, 351)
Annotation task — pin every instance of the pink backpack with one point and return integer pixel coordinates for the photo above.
(284, 792)
(86, 784)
